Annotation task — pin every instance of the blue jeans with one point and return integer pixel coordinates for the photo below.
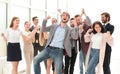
(55, 53)
(82, 57)
(93, 61)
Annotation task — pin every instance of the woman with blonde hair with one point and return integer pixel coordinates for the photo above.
(43, 40)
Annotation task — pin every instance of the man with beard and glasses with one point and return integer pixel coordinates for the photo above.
(59, 39)
(105, 18)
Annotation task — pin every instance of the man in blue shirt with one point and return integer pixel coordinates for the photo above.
(59, 39)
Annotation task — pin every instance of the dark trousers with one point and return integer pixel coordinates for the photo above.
(37, 48)
(106, 64)
(70, 62)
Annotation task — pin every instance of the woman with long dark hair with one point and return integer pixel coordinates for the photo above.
(95, 55)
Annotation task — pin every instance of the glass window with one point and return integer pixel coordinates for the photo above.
(2, 16)
(21, 2)
(52, 5)
(2, 29)
(52, 15)
(22, 13)
(39, 14)
(62, 5)
(38, 4)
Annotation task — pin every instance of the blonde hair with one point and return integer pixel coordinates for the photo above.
(43, 37)
(66, 14)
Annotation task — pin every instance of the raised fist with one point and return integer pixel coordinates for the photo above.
(90, 30)
(48, 17)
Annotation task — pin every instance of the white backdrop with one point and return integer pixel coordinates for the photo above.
(93, 9)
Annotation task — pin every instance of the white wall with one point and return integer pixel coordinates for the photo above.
(93, 9)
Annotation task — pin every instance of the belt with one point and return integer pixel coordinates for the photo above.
(52, 47)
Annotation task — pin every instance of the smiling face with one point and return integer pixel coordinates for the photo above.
(36, 21)
(27, 26)
(65, 17)
(15, 23)
(78, 20)
(72, 23)
(105, 17)
(97, 28)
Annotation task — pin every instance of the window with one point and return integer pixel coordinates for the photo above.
(2, 16)
(22, 13)
(62, 5)
(21, 2)
(52, 5)
(39, 14)
(38, 4)
(2, 28)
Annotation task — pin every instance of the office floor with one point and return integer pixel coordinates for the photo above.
(115, 66)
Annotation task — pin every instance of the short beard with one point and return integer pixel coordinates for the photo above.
(105, 21)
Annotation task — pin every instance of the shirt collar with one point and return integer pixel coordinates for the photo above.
(106, 23)
(63, 27)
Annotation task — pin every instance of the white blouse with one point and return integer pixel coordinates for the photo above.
(13, 36)
(96, 40)
(25, 33)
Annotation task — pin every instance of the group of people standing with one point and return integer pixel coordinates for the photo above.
(93, 41)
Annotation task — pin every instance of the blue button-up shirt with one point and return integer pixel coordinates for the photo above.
(58, 38)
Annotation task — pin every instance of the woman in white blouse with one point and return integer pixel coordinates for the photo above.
(13, 44)
(95, 54)
(28, 46)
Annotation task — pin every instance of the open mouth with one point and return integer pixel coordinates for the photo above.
(64, 19)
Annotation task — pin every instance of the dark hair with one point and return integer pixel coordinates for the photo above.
(26, 22)
(34, 18)
(72, 19)
(100, 24)
(77, 16)
(13, 19)
(107, 15)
